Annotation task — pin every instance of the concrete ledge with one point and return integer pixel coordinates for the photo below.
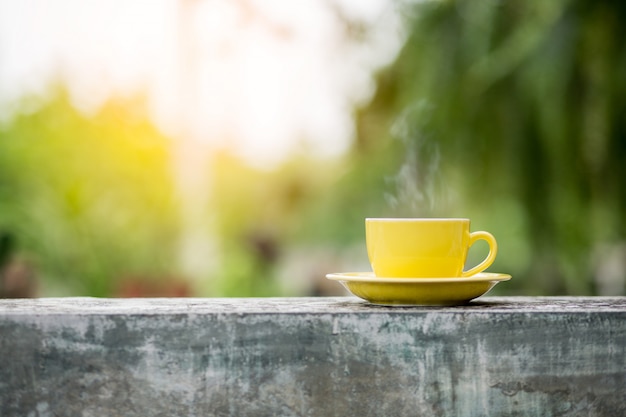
(312, 357)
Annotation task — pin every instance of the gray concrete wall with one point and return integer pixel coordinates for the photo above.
(312, 357)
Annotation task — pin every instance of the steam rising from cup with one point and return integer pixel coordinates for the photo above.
(417, 190)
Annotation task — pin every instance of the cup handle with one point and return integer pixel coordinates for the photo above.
(491, 256)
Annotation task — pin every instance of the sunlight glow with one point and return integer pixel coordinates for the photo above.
(268, 78)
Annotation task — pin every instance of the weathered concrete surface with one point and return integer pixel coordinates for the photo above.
(312, 357)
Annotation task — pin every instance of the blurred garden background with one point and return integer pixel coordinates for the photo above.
(234, 148)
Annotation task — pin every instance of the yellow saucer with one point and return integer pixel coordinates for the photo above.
(417, 291)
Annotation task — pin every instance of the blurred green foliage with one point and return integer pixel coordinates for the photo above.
(513, 113)
(88, 199)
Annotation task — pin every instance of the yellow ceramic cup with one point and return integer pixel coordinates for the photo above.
(430, 248)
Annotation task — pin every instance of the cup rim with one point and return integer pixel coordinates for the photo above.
(416, 219)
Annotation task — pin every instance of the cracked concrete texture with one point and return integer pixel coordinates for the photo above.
(312, 357)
